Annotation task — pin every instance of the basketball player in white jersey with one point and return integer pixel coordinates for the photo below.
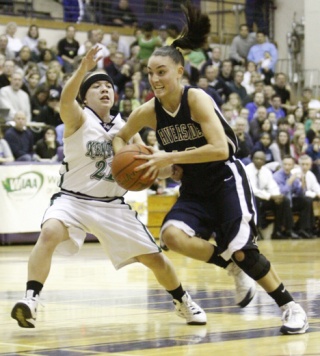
(90, 201)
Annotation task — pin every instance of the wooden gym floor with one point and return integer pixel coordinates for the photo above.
(91, 309)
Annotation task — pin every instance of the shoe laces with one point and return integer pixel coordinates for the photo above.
(291, 312)
(190, 305)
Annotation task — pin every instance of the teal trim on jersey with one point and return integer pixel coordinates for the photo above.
(152, 239)
(62, 175)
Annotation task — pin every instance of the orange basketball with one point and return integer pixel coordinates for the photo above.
(123, 165)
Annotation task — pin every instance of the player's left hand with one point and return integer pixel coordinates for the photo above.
(156, 161)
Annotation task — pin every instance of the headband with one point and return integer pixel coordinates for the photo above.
(92, 79)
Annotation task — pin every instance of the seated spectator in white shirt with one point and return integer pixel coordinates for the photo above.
(14, 43)
(14, 98)
(308, 179)
(268, 198)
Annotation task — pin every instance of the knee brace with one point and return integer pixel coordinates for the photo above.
(254, 264)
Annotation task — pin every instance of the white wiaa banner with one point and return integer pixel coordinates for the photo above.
(25, 192)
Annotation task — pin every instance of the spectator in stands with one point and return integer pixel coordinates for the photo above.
(267, 126)
(293, 125)
(299, 114)
(235, 101)
(14, 98)
(309, 181)
(129, 95)
(245, 144)
(257, 51)
(123, 15)
(203, 83)
(244, 112)
(263, 144)
(119, 71)
(241, 45)
(271, 116)
(38, 101)
(86, 46)
(20, 139)
(32, 37)
(255, 125)
(52, 81)
(23, 58)
(276, 106)
(238, 88)
(268, 197)
(133, 60)
(307, 96)
(258, 100)
(280, 148)
(299, 145)
(312, 115)
(50, 113)
(46, 56)
(291, 187)
(46, 148)
(283, 89)
(147, 42)
(250, 67)
(163, 34)
(268, 94)
(68, 49)
(140, 86)
(266, 68)
(214, 60)
(314, 130)
(227, 111)
(313, 151)
(120, 42)
(212, 74)
(226, 71)
(94, 37)
(14, 43)
(31, 82)
(126, 108)
(4, 49)
(250, 87)
(5, 150)
(36, 52)
(8, 69)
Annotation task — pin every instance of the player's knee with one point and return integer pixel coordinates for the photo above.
(252, 262)
(153, 260)
(51, 235)
(170, 238)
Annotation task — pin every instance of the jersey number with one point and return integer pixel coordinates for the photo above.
(100, 172)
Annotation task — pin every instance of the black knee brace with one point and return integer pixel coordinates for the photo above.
(254, 264)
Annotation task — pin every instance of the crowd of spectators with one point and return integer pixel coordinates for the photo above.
(255, 99)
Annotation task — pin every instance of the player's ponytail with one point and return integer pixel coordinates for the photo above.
(193, 36)
(196, 30)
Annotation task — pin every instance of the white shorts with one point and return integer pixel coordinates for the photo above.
(117, 227)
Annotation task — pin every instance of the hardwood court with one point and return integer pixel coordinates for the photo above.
(91, 309)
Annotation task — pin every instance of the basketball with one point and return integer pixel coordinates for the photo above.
(123, 166)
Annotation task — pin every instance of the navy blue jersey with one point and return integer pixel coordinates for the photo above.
(181, 133)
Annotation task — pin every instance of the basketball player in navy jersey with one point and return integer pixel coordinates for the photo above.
(90, 201)
(215, 194)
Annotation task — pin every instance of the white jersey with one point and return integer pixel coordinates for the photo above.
(90, 200)
(86, 168)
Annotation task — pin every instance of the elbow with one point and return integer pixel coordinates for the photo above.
(224, 155)
(223, 152)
